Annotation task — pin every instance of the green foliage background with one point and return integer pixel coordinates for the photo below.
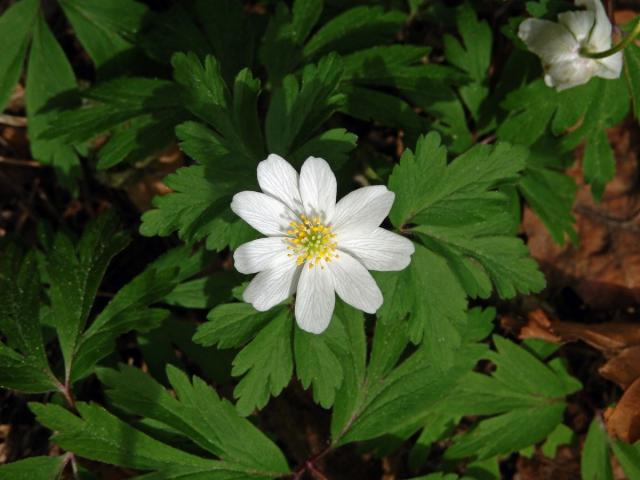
(232, 83)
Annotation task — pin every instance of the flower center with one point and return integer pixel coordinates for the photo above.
(311, 241)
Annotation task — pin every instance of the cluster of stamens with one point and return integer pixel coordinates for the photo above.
(311, 241)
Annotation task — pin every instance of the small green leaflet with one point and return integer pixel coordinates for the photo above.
(472, 55)
(594, 461)
(33, 468)
(23, 360)
(525, 397)
(197, 414)
(15, 30)
(593, 107)
(107, 30)
(50, 82)
(266, 364)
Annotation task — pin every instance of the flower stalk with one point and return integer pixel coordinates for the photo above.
(624, 43)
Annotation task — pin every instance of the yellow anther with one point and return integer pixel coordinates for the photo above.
(311, 241)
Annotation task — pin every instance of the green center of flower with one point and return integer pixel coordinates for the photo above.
(311, 241)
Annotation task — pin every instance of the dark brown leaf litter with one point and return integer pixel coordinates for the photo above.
(604, 268)
(619, 342)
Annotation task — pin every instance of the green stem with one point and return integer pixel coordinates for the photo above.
(615, 49)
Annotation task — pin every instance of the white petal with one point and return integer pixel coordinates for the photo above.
(354, 284)
(274, 285)
(610, 67)
(315, 299)
(260, 254)
(379, 250)
(318, 188)
(551, 41)
(363, 209)
(569, 74)
(279, 179)
(264, 213)
(600, 38)
(578, 23)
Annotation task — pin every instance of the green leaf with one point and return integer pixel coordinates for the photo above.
(206, 95)
(141, 112)
(511, 431)
(50, 78)
(522, 391)
(562, 435)
(23, 362)
(434, 317)
(106, 29)
(98, 435)
(404, 396)
(266, 363)
(585, 111)
(318, 362)
(204, 292)
(354, 29)
(334, 145)
(472, 56)
(231, 325)
(461, 217)
(632, 71)
(76, 273)
(197, 413)
(15, 30)
(380, 65)
(594, 461)
(628, 456)
(480, 169)
(549, 191)
(298, 108)
(33, 468)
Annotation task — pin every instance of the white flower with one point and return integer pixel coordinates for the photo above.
(559, 45)
(315, 247)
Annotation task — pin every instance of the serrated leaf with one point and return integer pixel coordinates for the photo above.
(408, 392)
(50, 80)
(318, 361)
(585, 112)
(461, 217)
(266, 364)
(231, 325)
(335, 145)
(511, 431)
(76, 274)
(20, 325)
(137, 110)
(298, 108)
(15, 30)
(98, 435)
(33, 468)
(197, 413)
(106, 29)
(435, 313)
(354, 29)
(522, 391)
(472, 55)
